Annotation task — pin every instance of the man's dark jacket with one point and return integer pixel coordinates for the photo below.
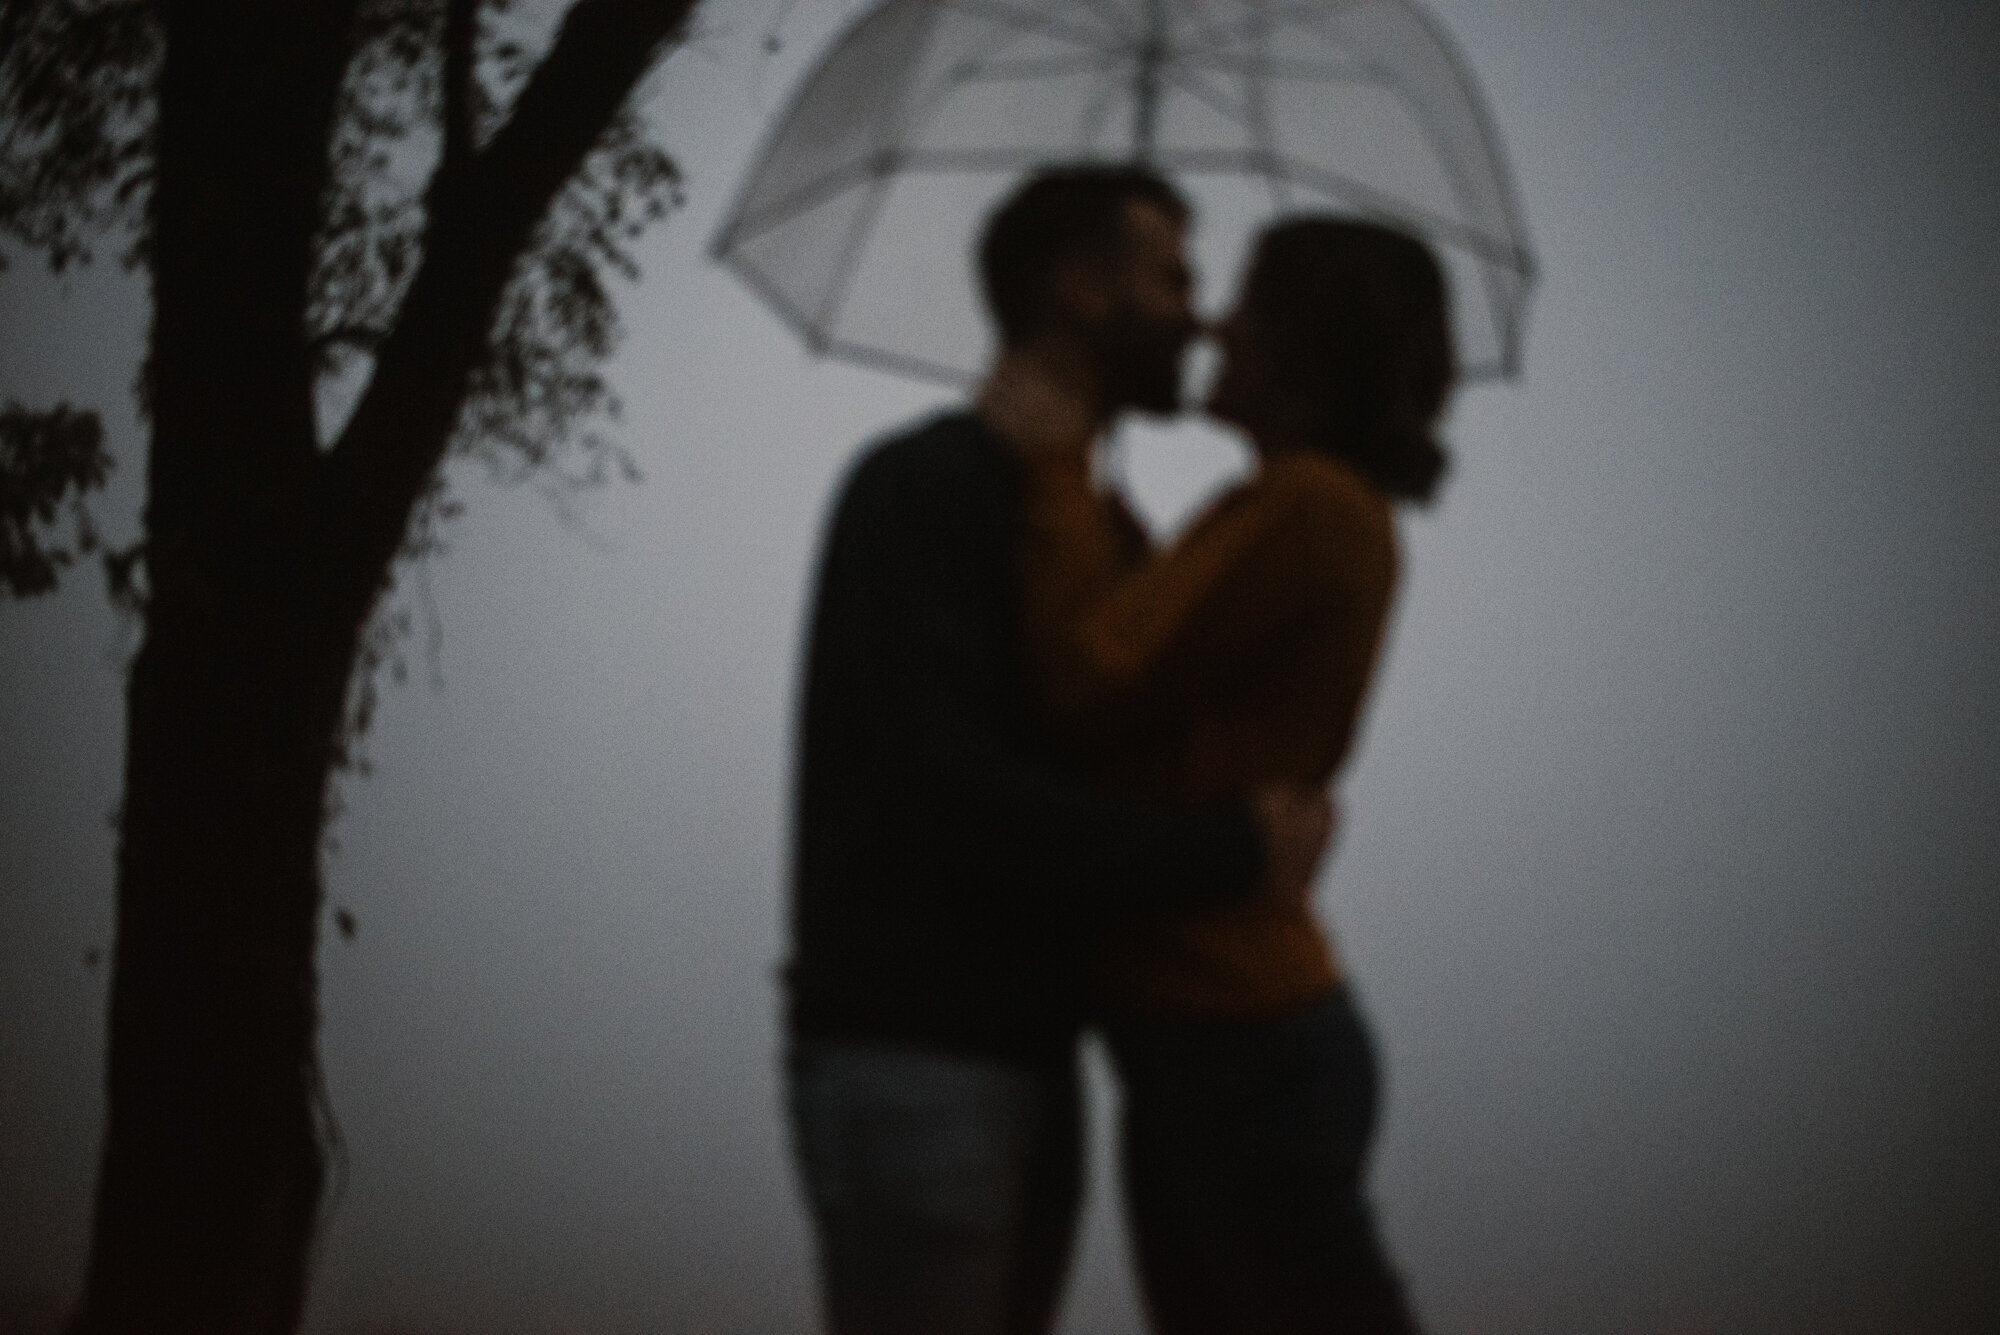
(949, 875)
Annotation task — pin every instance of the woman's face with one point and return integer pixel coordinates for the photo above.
(1242, 382)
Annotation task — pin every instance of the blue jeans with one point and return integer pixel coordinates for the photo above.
(943, 1187)
(1244, 1144)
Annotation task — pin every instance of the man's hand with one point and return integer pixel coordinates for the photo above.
(1298, 826)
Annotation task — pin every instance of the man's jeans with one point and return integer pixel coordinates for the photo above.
(943, 1186)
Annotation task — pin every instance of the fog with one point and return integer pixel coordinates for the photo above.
(1670, 876)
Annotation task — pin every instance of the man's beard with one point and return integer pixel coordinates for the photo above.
(1140, 361)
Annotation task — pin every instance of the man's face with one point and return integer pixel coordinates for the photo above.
(1149, 318)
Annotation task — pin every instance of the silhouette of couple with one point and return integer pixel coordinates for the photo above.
(1050, 778)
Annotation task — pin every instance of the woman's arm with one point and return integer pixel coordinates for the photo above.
(1116, 650)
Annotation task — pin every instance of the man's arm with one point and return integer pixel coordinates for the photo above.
(978, 797)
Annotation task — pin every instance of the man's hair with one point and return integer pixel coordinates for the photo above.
(1351, 318)
(1060, 214)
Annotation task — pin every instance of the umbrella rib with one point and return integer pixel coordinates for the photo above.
(740, 223)
(881, 168)
(881, 163)
(1116, 21)
(776, 300)
(970, 72)
(1455, 172)
(1099, 107)
(1255, 100)
(1022, 20)
(901, 363)
(1265, 67)
(814, 192)
(1212, 33)
(1516, 255)
(740, 220)
(1337, 186)
(1489, 134)
(943, 161)
(1207, 96)
(1488, 138)
(907, 161)
(1312, 13)
(850, 252)
(821, 346)
(1496, 300)
(1218, 38)
(957, 76)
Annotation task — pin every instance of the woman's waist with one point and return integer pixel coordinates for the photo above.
(1249, 957)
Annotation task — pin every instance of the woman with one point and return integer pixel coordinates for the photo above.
(1240, 658)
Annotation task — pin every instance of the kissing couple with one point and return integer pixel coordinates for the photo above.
(1050, 778)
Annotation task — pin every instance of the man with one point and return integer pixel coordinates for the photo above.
(950, 876)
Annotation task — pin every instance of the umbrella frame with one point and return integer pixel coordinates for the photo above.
(1149, 59)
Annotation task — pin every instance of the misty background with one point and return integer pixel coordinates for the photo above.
(1671, 866)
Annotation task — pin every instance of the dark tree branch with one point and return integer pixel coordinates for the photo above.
(603, 49)
(479, 226)
(461, 24)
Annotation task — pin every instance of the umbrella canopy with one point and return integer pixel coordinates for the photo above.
(857, 220)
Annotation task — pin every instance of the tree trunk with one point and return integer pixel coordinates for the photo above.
(212, 1161)
(265, 556)
(212, 1166)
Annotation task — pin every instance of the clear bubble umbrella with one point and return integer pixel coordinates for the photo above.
(857, 220)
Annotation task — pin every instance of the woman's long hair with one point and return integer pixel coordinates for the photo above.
(1350, 321)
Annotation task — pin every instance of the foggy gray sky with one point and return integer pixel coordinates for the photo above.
(1671, 875)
